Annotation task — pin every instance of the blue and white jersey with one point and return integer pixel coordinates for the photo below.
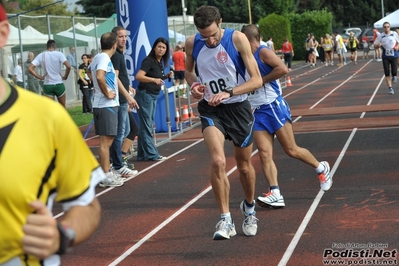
(269, 91)
(220, 68)
(103, 62)
(388, 42)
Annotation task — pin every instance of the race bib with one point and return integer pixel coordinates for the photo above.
(389, 52)
(218, 85)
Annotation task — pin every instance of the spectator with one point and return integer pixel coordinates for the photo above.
(288, 52)
(366, 47)
(105, 105)
(85, 85)
(322, 52)
(33, 83)
(222, 86)
(377, 51)
(179, 62)
(328, 49)
(71, 57)
(151, 76)
(62, 169)
(353, 44)
(125, 99)
(18, 75)
(273, 118)
(51, 61)
(340, 49)
(270, 43)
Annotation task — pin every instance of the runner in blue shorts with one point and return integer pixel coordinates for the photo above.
(273, 117)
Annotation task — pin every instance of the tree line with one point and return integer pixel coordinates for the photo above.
(345, 12)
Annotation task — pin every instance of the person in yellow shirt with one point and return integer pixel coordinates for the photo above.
(58, 167)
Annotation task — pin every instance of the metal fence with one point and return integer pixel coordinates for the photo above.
(30, 34)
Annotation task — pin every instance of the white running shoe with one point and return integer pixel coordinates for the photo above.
(126, 172)
(250, 224)
(325, 178)
(161, 158)
(110, 181)
(271, 200)
(391, 91)
(224, 230)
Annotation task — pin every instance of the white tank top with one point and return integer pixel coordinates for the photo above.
(219, 68)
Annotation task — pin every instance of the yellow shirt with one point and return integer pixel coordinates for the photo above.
(42, 156)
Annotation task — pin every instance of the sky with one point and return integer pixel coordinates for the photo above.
(71, 5)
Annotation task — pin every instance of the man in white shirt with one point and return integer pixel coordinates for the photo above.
(51, 62)
(340, 48)
(106, 104)
(18, 74)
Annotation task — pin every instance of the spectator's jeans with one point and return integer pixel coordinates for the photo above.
(116, 147)
(146, 149)
(288, 59)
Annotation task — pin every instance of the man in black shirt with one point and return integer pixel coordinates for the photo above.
(125, 100)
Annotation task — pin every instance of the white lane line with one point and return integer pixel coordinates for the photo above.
(164, 223)
(140, 172)
(291, 247)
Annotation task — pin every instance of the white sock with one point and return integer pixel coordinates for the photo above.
(276, 191)
(319, 168)
(226, 216)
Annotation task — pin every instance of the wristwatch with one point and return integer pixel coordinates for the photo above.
(230, 92)
(67, 236)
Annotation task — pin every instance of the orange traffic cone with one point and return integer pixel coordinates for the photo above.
(289, 81)
(184, 115)
(191, 114)
(177, 118)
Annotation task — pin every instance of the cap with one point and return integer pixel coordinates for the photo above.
(3, 15)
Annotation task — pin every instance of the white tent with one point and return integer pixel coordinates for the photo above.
(392, 18)
(178, 37)
(26, 36)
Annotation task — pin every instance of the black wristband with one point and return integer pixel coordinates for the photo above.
(67, 236)
(230, 92)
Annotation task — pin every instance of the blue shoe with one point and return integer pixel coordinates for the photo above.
(391, 91)
(394, 79)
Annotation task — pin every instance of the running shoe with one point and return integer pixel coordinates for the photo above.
(394, 79)
(325, 178)
(250, 224)
(224, 230)
(391, 91)
(110, 181)
(126, 172)
(271, 200)
(161, 158)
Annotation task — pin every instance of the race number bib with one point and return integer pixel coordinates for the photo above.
(218, 85)
(389, 52)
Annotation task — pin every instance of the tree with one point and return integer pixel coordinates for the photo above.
(59, 9)
(98, 8)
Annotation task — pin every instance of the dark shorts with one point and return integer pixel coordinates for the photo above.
(235, 121)
(106, 121)
(54, 90)
(353, 49)
(179, 75)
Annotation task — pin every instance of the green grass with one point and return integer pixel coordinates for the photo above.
(78, 117)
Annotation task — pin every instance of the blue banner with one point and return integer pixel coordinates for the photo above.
(145, 21)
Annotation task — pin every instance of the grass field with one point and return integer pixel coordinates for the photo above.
(79, 118)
